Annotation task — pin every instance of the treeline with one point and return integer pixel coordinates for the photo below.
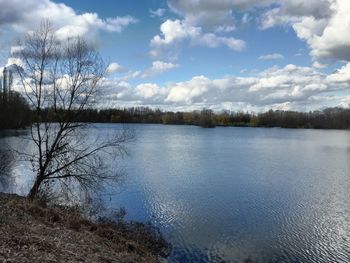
(331, 118)
(14, 111)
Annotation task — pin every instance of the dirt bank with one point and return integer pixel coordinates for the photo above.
(33, 232)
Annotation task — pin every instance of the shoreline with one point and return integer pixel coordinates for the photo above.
(35, 232)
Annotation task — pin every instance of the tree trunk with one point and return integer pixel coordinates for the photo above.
(35, 189)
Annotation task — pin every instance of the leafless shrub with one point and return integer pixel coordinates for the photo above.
(60, 80)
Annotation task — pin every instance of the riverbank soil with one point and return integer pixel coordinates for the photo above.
(34, 232)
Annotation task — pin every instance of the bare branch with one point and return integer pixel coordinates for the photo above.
(60, 80)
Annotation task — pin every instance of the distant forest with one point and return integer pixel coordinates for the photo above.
(330, 118)
(15, 113)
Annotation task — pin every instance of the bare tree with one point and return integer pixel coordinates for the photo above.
(60, 80)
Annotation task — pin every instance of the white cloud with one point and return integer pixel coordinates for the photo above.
(115, 68)
(289, 87)
(13, 64)
(15, 49)
(212, 14)
(328, 38)
(14, 61)
(188, 92)
(160, 12)
(147, 91)
(290, 12)
(342, 75)
(131, 75)
(225, 29)
(319, 65)
(174, 32)
(26, 15)
(273, 17)
(159, 67)
(271, 56)
(323, 24)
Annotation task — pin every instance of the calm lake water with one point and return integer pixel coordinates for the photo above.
(228, 194)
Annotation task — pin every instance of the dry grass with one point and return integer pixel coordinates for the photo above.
(33, 232)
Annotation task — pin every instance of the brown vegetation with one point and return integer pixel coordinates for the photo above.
(35, 232)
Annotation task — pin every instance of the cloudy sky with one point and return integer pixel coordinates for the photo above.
(188, 54)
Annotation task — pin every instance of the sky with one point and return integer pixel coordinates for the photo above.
(237, 55)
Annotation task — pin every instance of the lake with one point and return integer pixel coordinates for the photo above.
(233, 194)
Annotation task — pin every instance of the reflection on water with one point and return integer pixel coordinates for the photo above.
(228, 194)
(6, 162)
(15, 176)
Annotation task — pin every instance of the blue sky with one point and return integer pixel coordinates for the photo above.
(188, 54)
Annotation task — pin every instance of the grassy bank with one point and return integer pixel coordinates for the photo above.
(34, 232)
